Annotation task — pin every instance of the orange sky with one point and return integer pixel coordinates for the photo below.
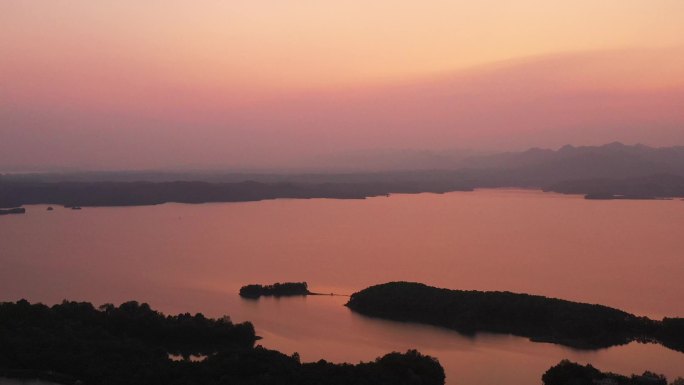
(230, 83)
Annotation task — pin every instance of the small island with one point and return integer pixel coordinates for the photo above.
(539, 318)
(285, 289)
(15, 210)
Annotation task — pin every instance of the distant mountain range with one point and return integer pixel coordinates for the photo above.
(615, 160)
(611, 171)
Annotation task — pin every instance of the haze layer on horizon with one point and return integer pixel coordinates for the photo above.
(279, 84)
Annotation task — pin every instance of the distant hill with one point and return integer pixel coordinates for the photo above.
(392, 160)
(541, 167)
(631, 171)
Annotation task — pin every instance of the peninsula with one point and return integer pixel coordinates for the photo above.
(543, 319)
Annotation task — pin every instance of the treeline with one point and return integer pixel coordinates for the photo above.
(70, 194)
(74, 342)
(61, 329)
(276, 290)
(538, 318)
(570, 373)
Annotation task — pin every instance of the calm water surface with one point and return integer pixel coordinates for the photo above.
(194, 258)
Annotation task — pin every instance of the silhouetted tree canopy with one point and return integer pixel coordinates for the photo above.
(539, 318)
(570, 373)
(276, 289)
(74, 342)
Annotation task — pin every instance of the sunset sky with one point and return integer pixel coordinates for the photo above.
(273, 83)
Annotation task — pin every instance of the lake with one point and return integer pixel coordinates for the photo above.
(194, 258)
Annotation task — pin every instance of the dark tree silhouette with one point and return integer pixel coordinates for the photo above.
(539, 318)
(74, 342)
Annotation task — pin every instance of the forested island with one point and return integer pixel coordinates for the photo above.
(76, 343)
(574, 324)
(275, 290)
(571, 373)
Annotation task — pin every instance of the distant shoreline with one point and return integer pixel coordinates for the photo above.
(110, 194)
(610, 171)
(13, 196)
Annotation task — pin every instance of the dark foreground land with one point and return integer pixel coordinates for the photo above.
(285, 289)
(74, 342)
(578, 325)
(570, 373)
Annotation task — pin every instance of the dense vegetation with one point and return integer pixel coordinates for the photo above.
(670, 332)
(570, 373)
(539, 318)
(276, 290)
(74, 343)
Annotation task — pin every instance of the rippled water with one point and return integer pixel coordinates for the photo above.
(626, 254)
